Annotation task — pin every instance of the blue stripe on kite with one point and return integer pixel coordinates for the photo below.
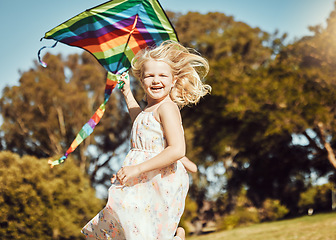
(114, 65)
(87, 128)
(113, 68)
(152, 30)
(145, 34)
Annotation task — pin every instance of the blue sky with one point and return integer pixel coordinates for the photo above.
(24, 22)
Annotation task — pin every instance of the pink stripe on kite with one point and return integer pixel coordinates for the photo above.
(92, 123)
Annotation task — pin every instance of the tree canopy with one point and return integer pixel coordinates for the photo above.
(39, 203)
(265, 94)
(45, 112)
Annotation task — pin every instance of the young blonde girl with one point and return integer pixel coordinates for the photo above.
(147, 199)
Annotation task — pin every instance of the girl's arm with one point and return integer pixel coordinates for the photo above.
(170, 118)
(189, 165)
(132, 105)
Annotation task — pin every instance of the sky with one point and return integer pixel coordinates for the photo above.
(24, 23)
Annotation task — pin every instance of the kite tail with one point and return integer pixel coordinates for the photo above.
(87, 129)
(43, 64)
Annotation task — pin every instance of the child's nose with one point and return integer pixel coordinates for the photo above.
(156, 80)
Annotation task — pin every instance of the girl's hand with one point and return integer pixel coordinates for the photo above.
(113, 178)
(126, 86)
(128, 172)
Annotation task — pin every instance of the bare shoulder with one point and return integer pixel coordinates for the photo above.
(168, 110)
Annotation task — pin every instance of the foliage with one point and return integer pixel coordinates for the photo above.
(244, 213)
(264, 94)
(317, 198)
(272, 210)
(307, 199)
(42, 115)
(37, 202)
(240, 217)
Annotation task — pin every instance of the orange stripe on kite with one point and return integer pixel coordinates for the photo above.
(103, 43)
(100, 112)
(96, 118)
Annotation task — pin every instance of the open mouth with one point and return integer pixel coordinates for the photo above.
(156, 88)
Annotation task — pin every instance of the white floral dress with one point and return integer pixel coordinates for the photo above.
(149, 206)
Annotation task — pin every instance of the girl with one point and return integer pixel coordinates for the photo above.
(147, 200)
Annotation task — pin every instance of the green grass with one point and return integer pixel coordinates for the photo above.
(316, 227)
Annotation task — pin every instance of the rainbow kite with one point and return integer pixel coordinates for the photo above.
(113, 33)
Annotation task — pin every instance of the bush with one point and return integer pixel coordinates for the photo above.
(316, 197)
(272, 210)
(323, 199)
(307, 199)
(240, 217)
(37, 202)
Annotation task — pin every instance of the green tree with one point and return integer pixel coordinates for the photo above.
(45, 112)
(299, 89)
(37, 202)
(264, 94)
(311, 62)
(216, 127)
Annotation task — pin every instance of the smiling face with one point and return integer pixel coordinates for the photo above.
(157, 81)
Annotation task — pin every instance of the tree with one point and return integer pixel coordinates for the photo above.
(264, 94)
(311, 61)
(45, 112)
(235, 52)
(39, 203)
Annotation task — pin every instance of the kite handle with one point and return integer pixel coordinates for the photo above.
(43, 64)
(122, 83)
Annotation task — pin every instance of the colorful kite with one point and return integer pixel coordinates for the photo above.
(113, 33)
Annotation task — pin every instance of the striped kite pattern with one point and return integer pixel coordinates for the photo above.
(113, 33)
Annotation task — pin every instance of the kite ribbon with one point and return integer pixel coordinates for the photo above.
(87, 129)
(43, 64)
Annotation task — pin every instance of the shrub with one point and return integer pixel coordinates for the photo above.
(307, 199)
(240, 217)
(316, 197)
(272, 210)
(37, 202)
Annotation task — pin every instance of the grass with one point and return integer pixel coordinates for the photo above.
(316, 227)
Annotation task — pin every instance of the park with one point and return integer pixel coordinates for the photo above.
(263, 140)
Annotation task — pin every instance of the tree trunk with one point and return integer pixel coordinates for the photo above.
(326, 144)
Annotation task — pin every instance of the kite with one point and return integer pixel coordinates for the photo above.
(113, 33)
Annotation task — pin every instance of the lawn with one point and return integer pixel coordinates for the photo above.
(316, 227)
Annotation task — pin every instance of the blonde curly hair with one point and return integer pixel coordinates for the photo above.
(188, 68)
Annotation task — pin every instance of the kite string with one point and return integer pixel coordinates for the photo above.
(43, 64)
